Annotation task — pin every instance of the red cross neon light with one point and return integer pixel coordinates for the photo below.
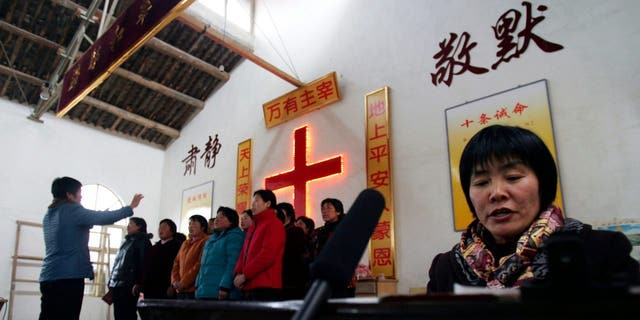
(303, 172)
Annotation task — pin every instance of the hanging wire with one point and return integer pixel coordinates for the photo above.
(289, 65)
(281, 41)
(4, 52)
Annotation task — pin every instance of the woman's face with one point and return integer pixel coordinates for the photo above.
(164, 231)
(221, 222)
(132, 227)
(258, 205)
(245, 221)
(300, 224)
(329, 213)
(506, 197)
(195, 229)
(77, 197)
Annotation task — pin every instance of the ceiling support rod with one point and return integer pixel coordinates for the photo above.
(67, 57)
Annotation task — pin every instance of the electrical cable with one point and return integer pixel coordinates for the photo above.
(4, 52)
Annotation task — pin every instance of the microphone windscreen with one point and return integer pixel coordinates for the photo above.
(340, 256)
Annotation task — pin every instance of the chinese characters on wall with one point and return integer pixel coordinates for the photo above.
(197, 197)
(514, 33)
(209, 152)
(378, 157)
(502, 113)
(310, 97)
(243, 177)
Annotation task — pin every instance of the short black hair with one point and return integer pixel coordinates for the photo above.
(61, 186)
(267, 195)
(142, 225)
(231, 215)
(249, 213)
(200, 219)
(171, 224)
(287, 209)
(311, 225)
(337, 204)
(498, 142)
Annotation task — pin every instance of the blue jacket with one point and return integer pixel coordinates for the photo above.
(66, 238)
(219, 258)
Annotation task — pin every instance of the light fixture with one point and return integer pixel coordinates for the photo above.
(45, 93)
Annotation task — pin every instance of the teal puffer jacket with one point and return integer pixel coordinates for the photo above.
(219, 258)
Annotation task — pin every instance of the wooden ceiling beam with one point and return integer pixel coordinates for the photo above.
(118, 112)
(169, 50)
(28, 35)
(160, 88)
(117, 133)
(21, 75)
(130, 116)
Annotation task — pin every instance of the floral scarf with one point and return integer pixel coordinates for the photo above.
(478, 263)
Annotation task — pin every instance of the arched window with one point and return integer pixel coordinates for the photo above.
(104, 241)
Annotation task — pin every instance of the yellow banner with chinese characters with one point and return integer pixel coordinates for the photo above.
(243, 177)
(310, 97)
(382, 250)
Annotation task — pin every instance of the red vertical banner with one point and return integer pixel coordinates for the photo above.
(382, 250)
(243, 176)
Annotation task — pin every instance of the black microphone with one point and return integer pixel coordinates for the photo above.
(340, 256)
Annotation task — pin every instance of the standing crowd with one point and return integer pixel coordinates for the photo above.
(509, 179)
(263, 254)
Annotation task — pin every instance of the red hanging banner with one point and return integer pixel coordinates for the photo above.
(139, 23)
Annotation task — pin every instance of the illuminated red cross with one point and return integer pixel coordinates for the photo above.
(303, 172)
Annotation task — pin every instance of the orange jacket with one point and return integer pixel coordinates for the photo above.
(261, 257)
(187, 263)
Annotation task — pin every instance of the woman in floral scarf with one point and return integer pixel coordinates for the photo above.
(509, 179)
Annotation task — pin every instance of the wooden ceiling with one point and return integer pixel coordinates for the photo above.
(149, 98)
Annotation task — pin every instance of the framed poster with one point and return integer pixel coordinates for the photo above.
(196, 200)
(525, 106)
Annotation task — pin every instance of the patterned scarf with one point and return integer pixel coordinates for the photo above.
(478, 263)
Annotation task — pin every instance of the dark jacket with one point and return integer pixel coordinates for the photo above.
(158, 266)
(607, 261)
(129, 263)
(323, 234)
(294, 271)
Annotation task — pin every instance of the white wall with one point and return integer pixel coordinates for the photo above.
(33, 154)
(593, 90)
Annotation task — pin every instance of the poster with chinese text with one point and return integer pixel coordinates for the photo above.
(196, 200)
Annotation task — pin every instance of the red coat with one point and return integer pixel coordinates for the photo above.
(261, 257)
